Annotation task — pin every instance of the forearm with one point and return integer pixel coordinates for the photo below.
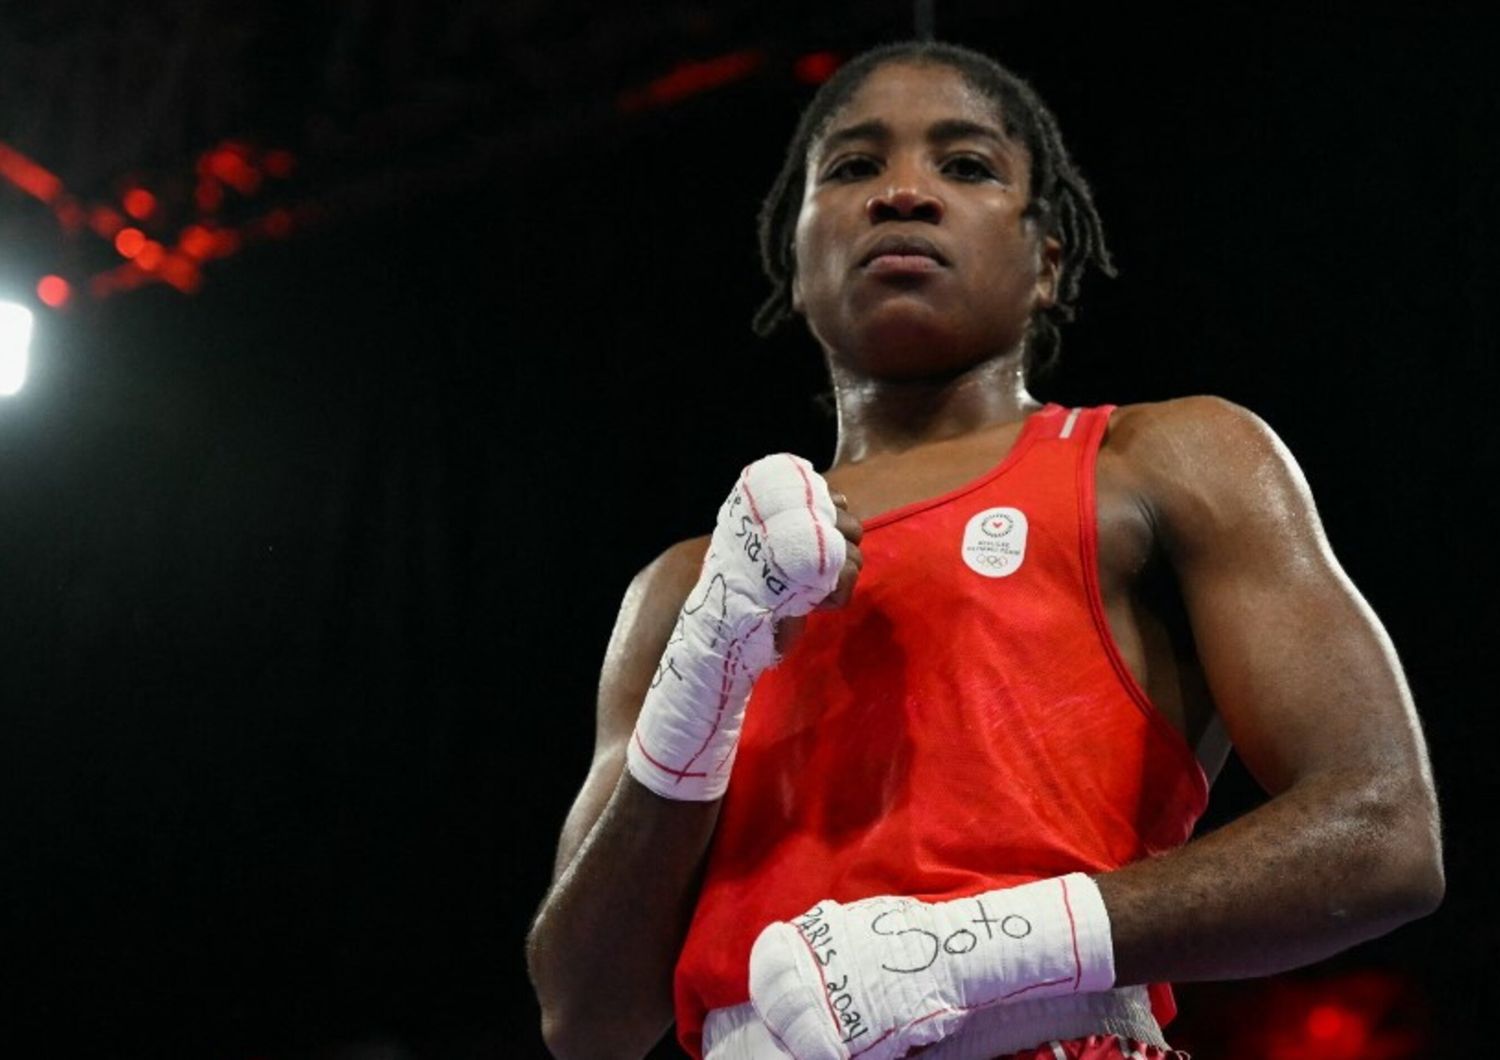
(606, 940)
(603, 946)
(1336, 859)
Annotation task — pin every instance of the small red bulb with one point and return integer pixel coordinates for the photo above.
(139, 203)
(54, 291)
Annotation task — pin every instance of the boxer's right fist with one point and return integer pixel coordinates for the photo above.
(789, 629)
(777, 542)
(776, 553)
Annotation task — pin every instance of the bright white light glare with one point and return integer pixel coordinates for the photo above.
(15, 346)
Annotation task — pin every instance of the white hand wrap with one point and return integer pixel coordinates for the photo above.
(776, 553)
(877, 977)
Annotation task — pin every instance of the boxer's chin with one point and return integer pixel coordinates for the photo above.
(907, 337)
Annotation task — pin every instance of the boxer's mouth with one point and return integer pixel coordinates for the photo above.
(910, 251)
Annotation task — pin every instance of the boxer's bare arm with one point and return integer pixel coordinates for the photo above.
(1312, 694)
(604, 943)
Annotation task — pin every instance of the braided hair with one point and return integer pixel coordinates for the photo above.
(1061, 204)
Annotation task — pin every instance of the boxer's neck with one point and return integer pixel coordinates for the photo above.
(883, 416)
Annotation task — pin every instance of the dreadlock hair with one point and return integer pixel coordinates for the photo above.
(1061, 204)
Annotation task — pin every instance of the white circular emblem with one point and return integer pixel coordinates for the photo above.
(995, 541)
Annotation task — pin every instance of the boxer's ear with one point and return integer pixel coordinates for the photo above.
(1049, 271)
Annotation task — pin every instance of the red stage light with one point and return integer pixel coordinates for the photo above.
(53, 291)
(105, 221)
(226, 242)
(1326, 1022)
(27, 175)
(150, 255)
(196, 242)
(1365, 1015)
(279, 163)
(181, 273)
(129, 241)
(139, 203)
(277, 224)
(815, 67)
(689, 79)
(124, 277)
(229, 165)
(208, 196)
(69, 214)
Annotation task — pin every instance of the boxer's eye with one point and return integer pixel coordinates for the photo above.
(851, 167)
(970, 168)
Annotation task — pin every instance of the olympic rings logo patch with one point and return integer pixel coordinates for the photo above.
(994, 543)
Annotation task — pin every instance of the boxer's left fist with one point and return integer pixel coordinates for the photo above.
(880, 976)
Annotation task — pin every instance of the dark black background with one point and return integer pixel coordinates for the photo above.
(304, 580)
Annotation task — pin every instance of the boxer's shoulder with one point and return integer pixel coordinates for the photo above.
(1199, 419)
(1198, 463)
(677, 566)
(655, 596)
(643, 626)
(1185, 438)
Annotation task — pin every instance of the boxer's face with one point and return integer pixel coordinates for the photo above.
(918, 154)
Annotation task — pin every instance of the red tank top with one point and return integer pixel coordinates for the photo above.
(965, 723)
